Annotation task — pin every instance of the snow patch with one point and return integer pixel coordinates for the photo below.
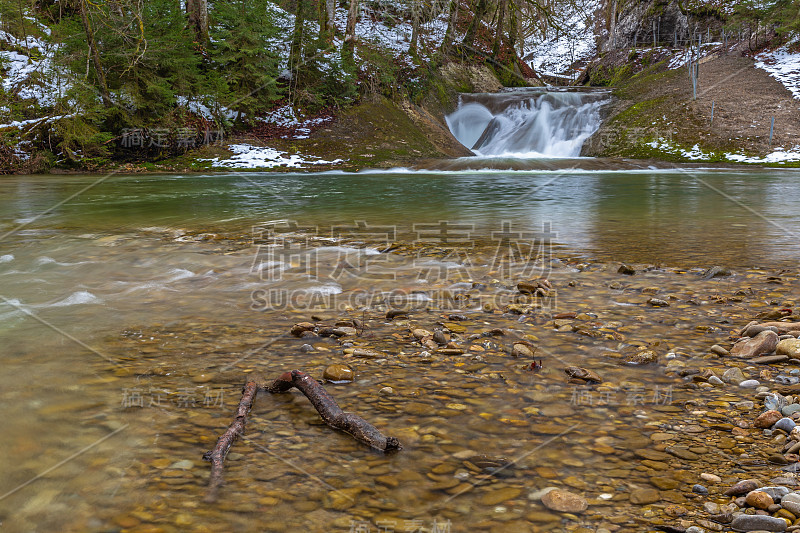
(197, 107)
(39, 79)
(778, 156)
(248, 156)
(573, 41)
(681, 59)
(286, 117)
(784, 66)
(695, 154)
(20, 123)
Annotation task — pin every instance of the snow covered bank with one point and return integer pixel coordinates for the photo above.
(248, 156)
(778, 156)
(784, 66)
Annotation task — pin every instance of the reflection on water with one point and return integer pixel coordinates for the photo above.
(667, 216)
(128, 326)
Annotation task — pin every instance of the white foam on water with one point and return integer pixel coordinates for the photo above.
(12, 302)
(347, 250)
(173, 275)
(179, 274)
(46, 260)
(263, 265)
(76, 298)
(468, 122)
(325, 289)
(7, 258)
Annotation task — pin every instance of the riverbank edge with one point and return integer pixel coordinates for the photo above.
(378, 132)
(644, 122)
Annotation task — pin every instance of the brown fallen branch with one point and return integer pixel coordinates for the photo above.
(331, 413)
(224, 443)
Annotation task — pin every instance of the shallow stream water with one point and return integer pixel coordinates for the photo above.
(135, 307)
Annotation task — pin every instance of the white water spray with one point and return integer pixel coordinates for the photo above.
(526, 124)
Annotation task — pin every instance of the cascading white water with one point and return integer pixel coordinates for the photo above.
(526, 124)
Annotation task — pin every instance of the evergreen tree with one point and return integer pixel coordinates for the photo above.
(146, 51)
(244, 34)
(788, 16)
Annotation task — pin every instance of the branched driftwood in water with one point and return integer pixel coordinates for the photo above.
(327, 407)
(224, 443)
(331, 413)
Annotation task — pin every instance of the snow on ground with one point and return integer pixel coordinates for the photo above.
(695, 154)
(286, 117)
(384, 27)
(196, 106)
(248, 156)
(386, 24)
(283, 116)
(378, 24)
(784, 66)
(395, 39)
(680, 59)
(20, 123)
(778, 156)
(20, 69)
(575, 41)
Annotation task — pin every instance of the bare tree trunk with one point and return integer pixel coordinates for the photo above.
(449, 34)
(98, 65)
(415, 7)
(197, 12)
(323, 16)
(330, 5)
(613, 30)
(350, 30)
(296, 53)
(513, 29)
(479, 12)
(498, 34)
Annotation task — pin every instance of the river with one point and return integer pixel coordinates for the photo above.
(134, 308)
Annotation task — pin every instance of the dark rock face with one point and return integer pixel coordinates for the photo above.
(636, 23)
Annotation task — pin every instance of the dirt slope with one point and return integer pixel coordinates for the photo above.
(658, 104)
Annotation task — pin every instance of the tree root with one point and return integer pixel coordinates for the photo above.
(331, 413)
(224, 443)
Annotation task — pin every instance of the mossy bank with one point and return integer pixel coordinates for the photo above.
(378, 132)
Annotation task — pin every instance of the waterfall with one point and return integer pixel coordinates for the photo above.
(527, 123)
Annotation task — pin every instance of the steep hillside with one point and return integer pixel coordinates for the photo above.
(656, 116)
